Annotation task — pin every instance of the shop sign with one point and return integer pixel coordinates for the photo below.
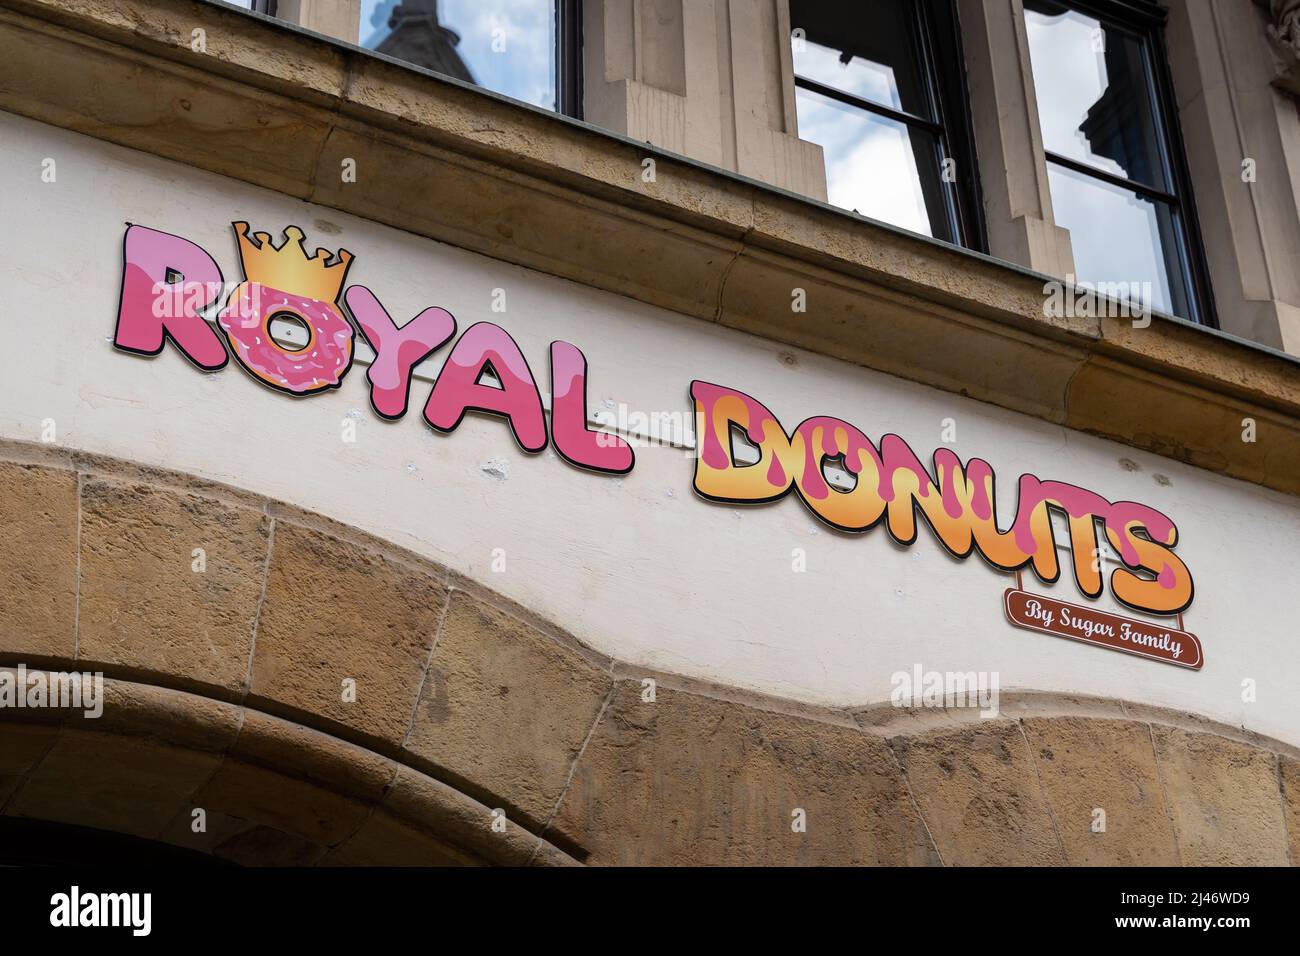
(1037, 612)
(171, 286)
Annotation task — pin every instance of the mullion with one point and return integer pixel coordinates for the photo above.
(934, 148)
(1161, 121)
(898, 116)
(956, 219)
(1182, 256)
(1192, 248)
(568, 58)
(957, 227)
(924, 56)
(1147, 192)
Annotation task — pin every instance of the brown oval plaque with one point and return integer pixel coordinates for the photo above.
(1036, 612)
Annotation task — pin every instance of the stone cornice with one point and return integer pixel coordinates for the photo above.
(281, 108)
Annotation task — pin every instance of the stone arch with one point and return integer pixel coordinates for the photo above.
(224, 692)
(269, 791)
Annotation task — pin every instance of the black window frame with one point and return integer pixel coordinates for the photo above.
(568, 52)
(1145, 21)
(942, 62)
(568, 58)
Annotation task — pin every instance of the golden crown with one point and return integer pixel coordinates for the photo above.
(289, 268)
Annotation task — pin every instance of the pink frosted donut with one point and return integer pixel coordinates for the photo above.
(320, 364)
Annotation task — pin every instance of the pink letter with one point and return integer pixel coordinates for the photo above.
(458, 390)
(599, 451)
(397, 351)
(150, 312)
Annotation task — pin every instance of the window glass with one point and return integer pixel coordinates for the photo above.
(507, 46)
(1094, 94)
(876, 166)
(866, 50)
(1118, 237)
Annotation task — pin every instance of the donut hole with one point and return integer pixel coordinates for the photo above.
(289, 331)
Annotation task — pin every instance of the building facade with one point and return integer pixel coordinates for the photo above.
(552, 432)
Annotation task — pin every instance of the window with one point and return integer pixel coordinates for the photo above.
(893, 125)
(526, 49)
(1114, 154)
(509, 46)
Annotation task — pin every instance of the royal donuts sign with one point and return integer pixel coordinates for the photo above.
(170, 286)
(168, 282)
